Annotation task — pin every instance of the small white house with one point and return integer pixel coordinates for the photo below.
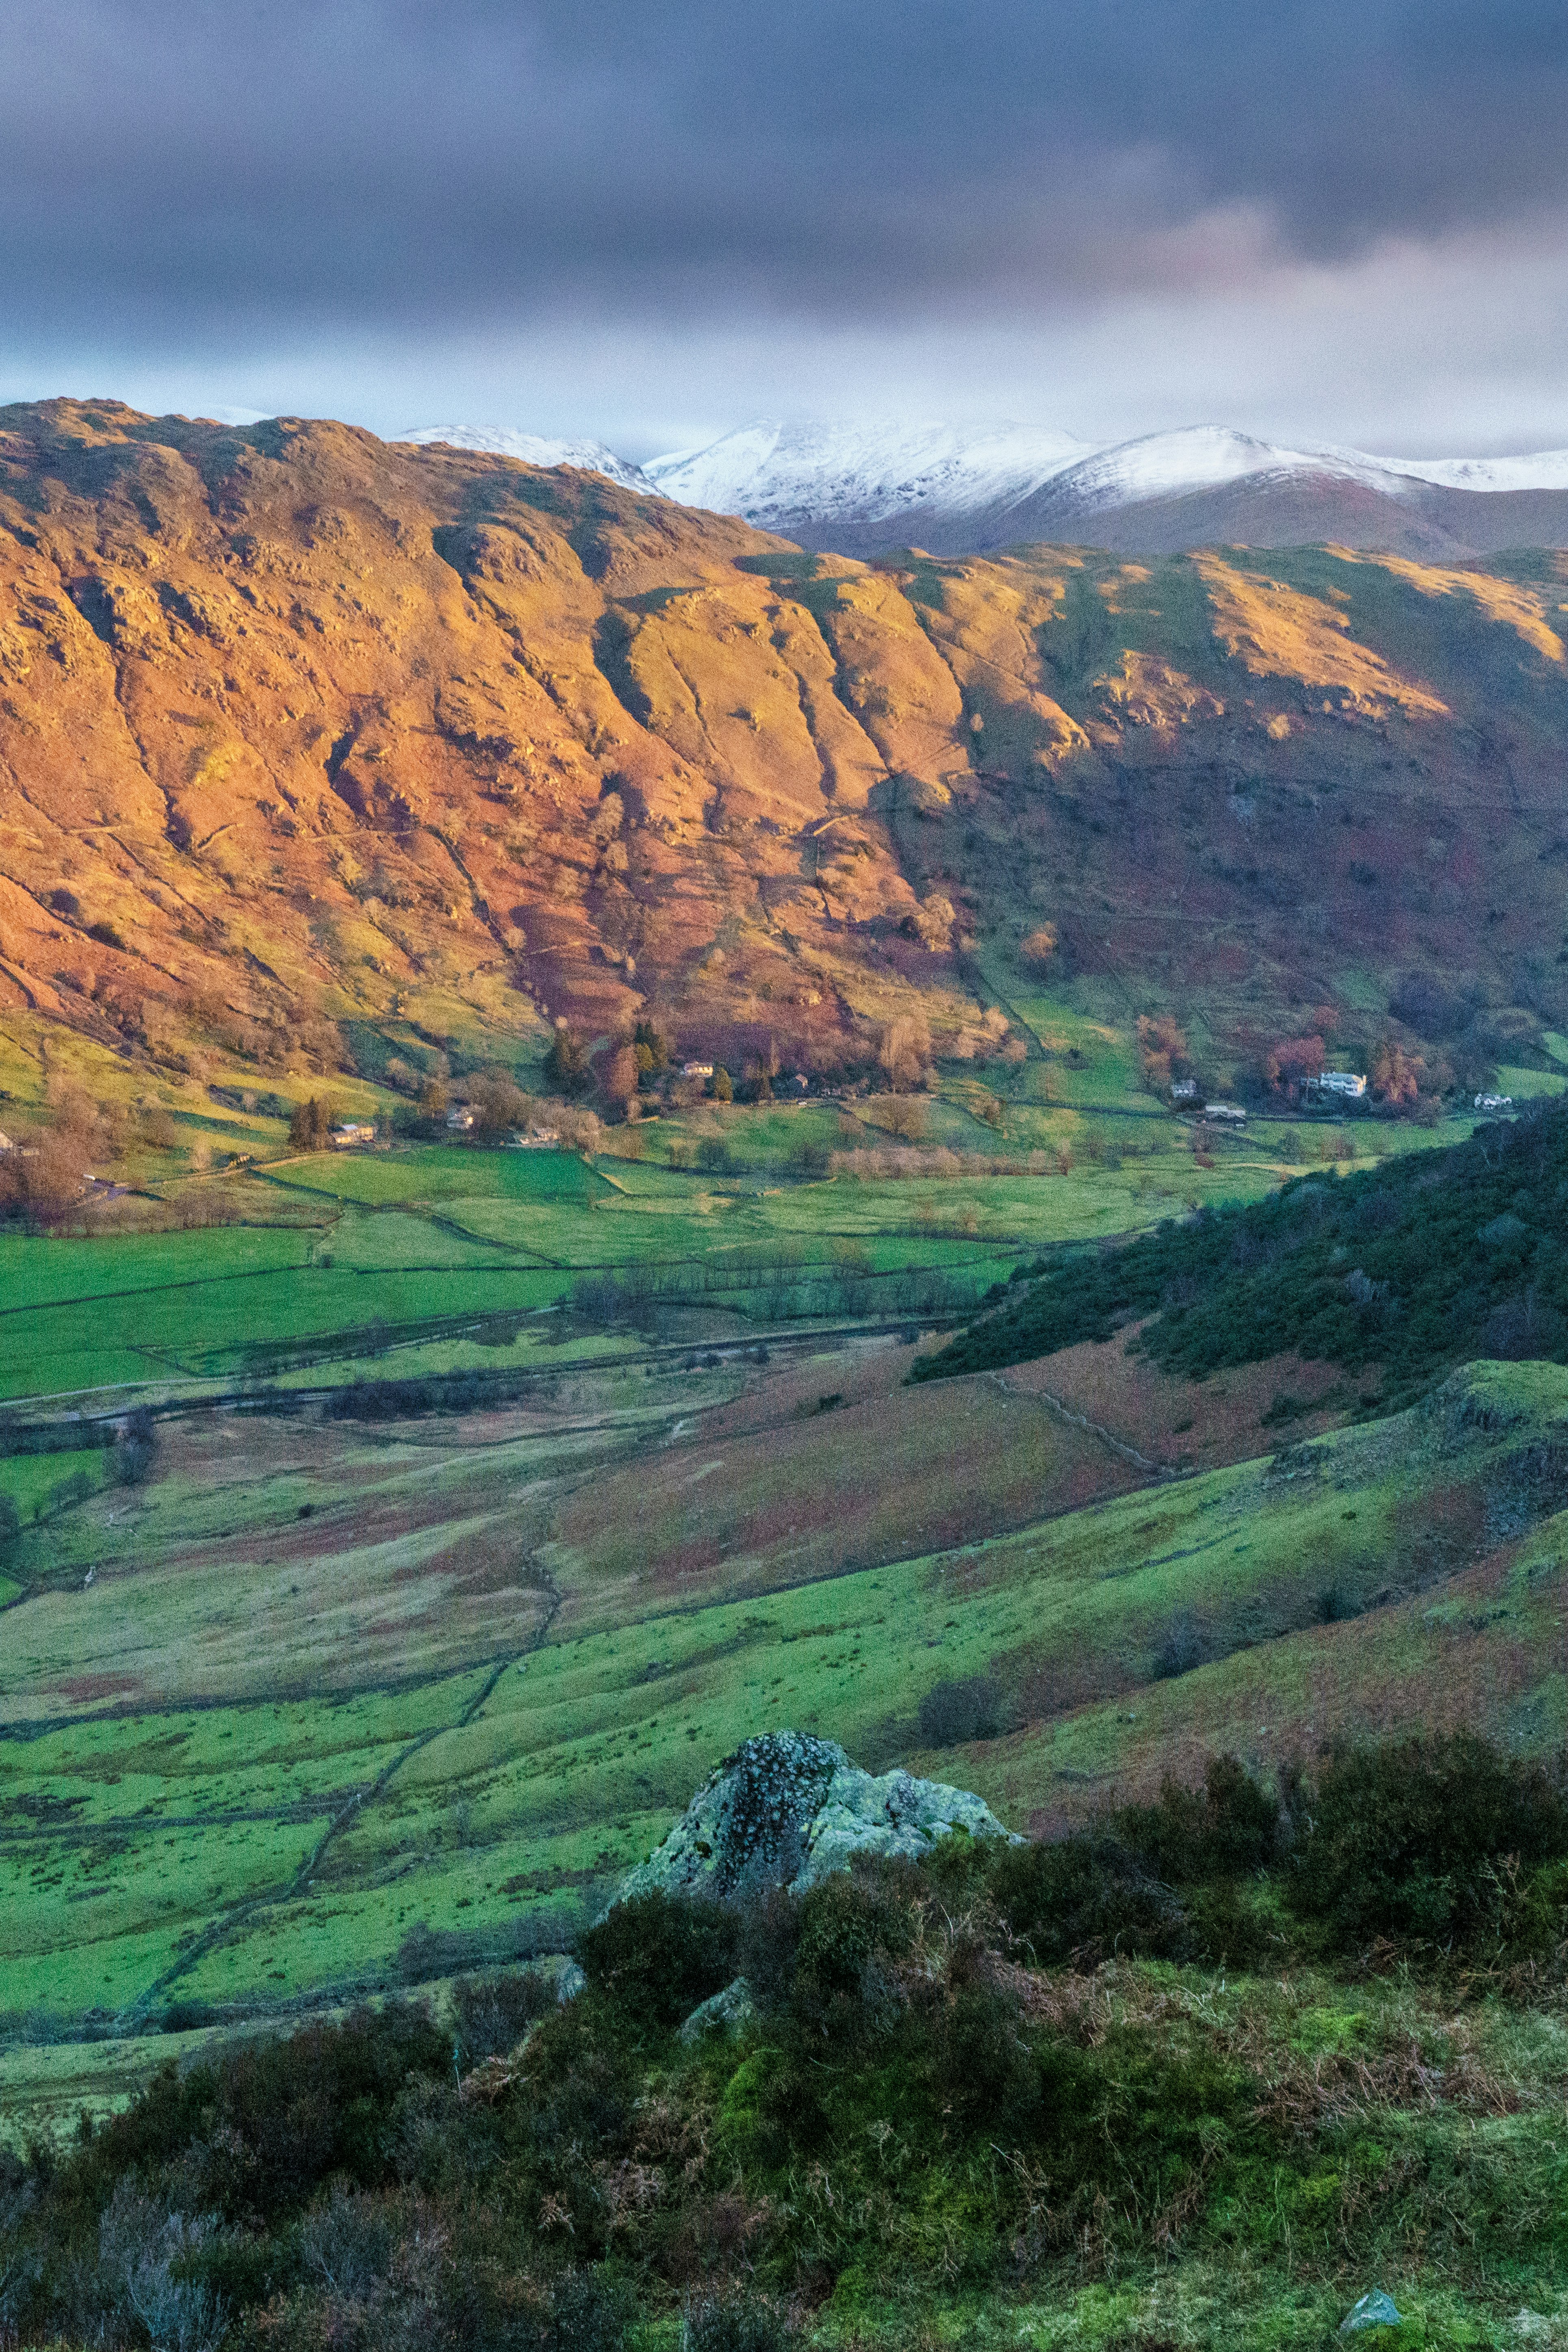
(1494, 1102)
(1350, 1084)
(1226, 1114)
(460, 1119)
(697, 1069)
(538, 1139)
(1183, 1089)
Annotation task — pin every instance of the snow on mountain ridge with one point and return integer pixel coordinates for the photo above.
(1203, 457)
(859, 488)
(769, 470)
(823, 474)
(1545, 470)
(534, 449)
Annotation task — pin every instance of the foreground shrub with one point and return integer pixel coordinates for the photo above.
(1405, 1842)
(660, 1955)
(493, 2012)
(853, 1928)
(733, 2323)
(148, 2275)
(1229, 1826)
(984, 2064)
(591, 2311)
(255, 2133)
(1085, 1899)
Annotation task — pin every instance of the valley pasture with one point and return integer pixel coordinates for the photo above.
(495, 1495)
(265, 1760)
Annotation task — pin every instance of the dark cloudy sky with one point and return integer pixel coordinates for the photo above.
(649, 219)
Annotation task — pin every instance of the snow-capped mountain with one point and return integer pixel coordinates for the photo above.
(535, 450)
(1547, 470)
(858, 490)
(863, 475)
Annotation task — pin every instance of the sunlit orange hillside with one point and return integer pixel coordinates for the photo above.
(311, 743)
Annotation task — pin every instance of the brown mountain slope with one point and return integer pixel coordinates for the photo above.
(295, 723)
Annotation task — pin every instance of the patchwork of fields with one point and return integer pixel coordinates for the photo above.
(280, 1760)
(350, 1694)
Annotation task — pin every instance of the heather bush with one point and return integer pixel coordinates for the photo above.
(1228, 1826)
(660, 1955)
(1407, 1841)
(853, 1928)
(733, 2323)
(1081, 1900)
(493, 2012)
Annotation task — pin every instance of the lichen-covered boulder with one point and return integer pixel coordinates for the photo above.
(728, 2013)
(788, 1808)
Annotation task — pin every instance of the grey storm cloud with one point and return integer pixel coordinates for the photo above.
(378, 163)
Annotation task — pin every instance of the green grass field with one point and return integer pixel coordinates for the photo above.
(162, 1847)
(315, 1685)
(414, 1239)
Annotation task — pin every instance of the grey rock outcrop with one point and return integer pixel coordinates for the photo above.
(788, 1808)
(728, 2013)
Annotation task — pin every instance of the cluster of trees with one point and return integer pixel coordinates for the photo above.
(43, 1180)
(1417, 1265)
(873, 1163)
(311, 1127)
(1398, 1075)
(635, 1066)
(1162, 1052)
(434, 1392)
(773, 1281)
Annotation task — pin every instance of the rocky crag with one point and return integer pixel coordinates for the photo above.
(319, 751)
(788, 1808)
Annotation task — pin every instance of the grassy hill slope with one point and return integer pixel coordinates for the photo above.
(257, 1756)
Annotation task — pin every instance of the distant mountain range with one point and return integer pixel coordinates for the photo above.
(534, 449)
(858, 490)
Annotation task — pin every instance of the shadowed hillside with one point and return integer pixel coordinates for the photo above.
(314, 747)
